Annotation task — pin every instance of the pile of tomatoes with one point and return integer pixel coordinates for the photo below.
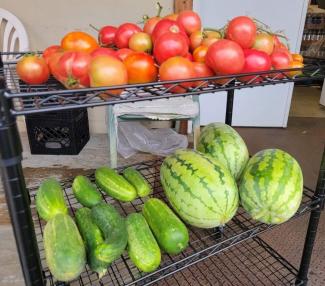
(166, 48)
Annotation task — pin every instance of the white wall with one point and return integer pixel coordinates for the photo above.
(47, 21)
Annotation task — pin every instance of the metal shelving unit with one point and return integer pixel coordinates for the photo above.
(238, 246)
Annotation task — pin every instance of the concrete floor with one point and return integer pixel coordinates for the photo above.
(304, 139)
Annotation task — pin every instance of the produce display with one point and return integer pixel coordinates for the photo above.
(170, 232)
(165, 48)
(271, 186)
(85, 192)
(115, 185)
(50, 200)
(142, 245)
(200, 189)
(223, 143)
(64, 248)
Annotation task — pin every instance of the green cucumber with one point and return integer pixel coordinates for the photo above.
(85, 192)
(170, 232)
(114, 184)
(143, 249)
(93, 237)
(113, 226)
(135, 178)
(64, 249)
(50, 200)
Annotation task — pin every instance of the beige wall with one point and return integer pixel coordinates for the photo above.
(47, 21)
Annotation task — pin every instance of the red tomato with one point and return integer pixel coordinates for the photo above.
(202, 70)
(255, 61)
(141, 42)
(53, 62)
(170, 45)
(200, 53)
(103, 52)
(264, 42)
(79, 42)
(32, 69)
(150, 24)
(190, 21)
(280, 60)
(173, 16)
(141, 68)
(73, 68)
(284, 49)
(107, 71)
(196, 39)
(165, 26)
(49, 51)
(177, 68)
(123, 53)
(276, 41)
(225, 57)
(242, 30)
(189, 57)
(106, 36)
(124, 33)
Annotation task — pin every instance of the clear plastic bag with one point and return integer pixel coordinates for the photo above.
(134, 136)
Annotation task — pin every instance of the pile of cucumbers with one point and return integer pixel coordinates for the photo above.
(101, 234)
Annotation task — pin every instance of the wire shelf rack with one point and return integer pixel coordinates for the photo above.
(53, 96)
(204, 244)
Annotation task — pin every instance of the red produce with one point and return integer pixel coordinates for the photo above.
(103, 52)
(49, 51)
(202, 70)
(170, 45)
(32, 69)
(190, 21)
(79, 42)
(141, 68)
(165, 26)
(177, 68)
(242, 30)
(225, 57)
(255, 61)
(124, 33)
(106, 36)
(123, 53)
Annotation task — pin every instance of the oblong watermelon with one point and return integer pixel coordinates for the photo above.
(271, 186)
(222, 142)
(201, 191)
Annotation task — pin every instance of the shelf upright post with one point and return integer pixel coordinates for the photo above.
(302, 278)
(17, 197)
(229, 107)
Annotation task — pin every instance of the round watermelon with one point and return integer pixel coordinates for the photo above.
(201, 191)
(223, 143)
(271, 186)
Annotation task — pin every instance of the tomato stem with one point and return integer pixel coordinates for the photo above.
(93, 27)
(160, 8)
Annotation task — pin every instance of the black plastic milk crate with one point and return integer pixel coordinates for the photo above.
(59, 132)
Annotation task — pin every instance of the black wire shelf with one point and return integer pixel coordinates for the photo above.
(233, 243)
(52, 95)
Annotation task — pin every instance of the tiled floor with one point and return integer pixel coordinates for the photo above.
(304, 138)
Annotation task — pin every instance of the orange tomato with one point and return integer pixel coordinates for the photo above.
(295, 64)
(199, 53)
(79, 42)
(297, 58)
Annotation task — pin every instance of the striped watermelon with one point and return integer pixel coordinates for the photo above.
(201, 190)
(271, 186)
(222, 142)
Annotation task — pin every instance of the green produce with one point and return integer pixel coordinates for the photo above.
(135, 178)
(271, 186)
(113, 226)
(115, 185)
(85, 192)
(223, 143)
(50, 199)
(92, 237)
(64, 249)
(201, 190)
(170, 232)
(142, 246)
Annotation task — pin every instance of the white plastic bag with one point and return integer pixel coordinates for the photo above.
(134, 136)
